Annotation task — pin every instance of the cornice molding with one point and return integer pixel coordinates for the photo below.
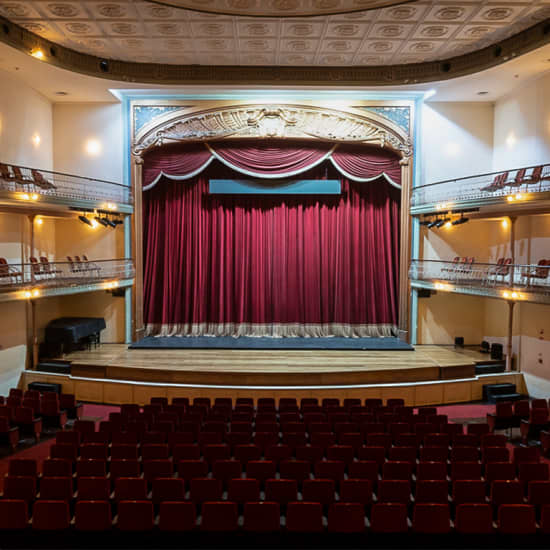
(389, 75)
(281, 121)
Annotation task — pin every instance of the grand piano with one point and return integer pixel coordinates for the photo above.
(69, 333)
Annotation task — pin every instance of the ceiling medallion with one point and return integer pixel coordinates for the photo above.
(279, 8)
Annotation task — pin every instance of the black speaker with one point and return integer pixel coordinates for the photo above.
(497, 352)
(459, 341)
(485, 346)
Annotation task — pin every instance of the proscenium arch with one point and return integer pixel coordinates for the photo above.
(274, 121)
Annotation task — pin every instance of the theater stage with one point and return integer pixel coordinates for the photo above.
(112, 373)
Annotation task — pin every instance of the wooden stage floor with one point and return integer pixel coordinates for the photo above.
(274, 367)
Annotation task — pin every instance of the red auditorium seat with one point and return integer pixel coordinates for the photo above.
(226, 470)
(135, 515)
(330, 469)
(243, 490)
(56, 467)
(434, 454)
(295, 469)
(92, 468)
(538, 493)
(432, 491)
(474, 519)
(464, 454)
(262, 517)
(356, 490)
(403, 454)
(364, 469)
(189, 469)
(394, 490)
(205, 489)
(20, 488)
(389, 517)
(304, 517)
(177, 516)
(431, 470)
(516, 519)
(93, 488)
(506, 492)
(121, 451)
(84, 426)
(499, 471)
(13, 514)
(67, 402)
(23, 467)
(93, 515)
(167, 489)
(130, 488)
(431, 518)
(219, 516)
(98, 451)
(396, 470)
(186, 451)
(346, 517)
(469, 491)
(374, 454)
(56, 488)
(526, 454)
(318, 490)
(281, 491)
(310, 453)
(495, 454)
(261, 470)
(50, 515)
(158, 467)
(345, 453)
(9, 434)
(533, 471)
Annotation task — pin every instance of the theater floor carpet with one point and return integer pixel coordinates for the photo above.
(229, 342)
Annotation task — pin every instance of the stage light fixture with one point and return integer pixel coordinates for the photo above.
(461, 220)
(433, 223)
(111, 223)
(118, 221)
(441, 222)
(102, 221)
(85, 220)
(426, 222)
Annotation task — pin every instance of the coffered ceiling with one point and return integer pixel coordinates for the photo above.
(158, 32)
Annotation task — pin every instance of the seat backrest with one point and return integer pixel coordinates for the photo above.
(23, 467)
(431, 518)
(304, 517)
(130, 488)
(135, 515)
(93, 515)
(474, 518)
(219, 516)
(262, 516)
(13, 514)
(389, 517)
(50, 515)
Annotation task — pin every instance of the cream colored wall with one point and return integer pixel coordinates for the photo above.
(522, 126)
(24, 114)
(74, 125)
(456, 140)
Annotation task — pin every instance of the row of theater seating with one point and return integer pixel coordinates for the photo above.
(265, 517)
(29, 413)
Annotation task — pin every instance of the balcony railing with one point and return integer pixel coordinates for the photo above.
(503, 278)
(43, 183)
(48, 275)
(485, 187)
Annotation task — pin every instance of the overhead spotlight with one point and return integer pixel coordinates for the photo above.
(441, 222)
(118, 221)
(425, 222)
(460, 220)
(433, 223)
(85, 220)
(110, 222)
(102, 221)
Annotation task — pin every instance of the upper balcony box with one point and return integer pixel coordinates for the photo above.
(498, 191)
(41, 190)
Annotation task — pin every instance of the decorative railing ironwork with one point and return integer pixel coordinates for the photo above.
(495, 185)
(467, 274)
(31, 182)
(46, 274)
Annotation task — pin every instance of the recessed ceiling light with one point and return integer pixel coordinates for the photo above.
(482, 93)
(61, 93)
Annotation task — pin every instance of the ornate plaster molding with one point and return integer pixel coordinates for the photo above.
(283, 121)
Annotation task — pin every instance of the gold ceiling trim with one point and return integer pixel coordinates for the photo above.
(279, 8)
(385, 75)
(280, 120)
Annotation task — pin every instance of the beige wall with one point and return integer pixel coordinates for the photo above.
(74, 125)
(24, 114)
(522, 126)
(456, 140)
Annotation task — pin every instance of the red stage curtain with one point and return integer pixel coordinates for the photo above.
(169, 160)
(362, 162)
(270, 158)
(281, 266)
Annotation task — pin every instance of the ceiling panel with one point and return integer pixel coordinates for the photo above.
(147, 32)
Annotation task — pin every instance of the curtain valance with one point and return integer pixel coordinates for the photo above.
(271, 159)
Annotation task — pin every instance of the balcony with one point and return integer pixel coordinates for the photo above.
(525, 283)
(513, 188)
(41, 190)
(43, 279)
